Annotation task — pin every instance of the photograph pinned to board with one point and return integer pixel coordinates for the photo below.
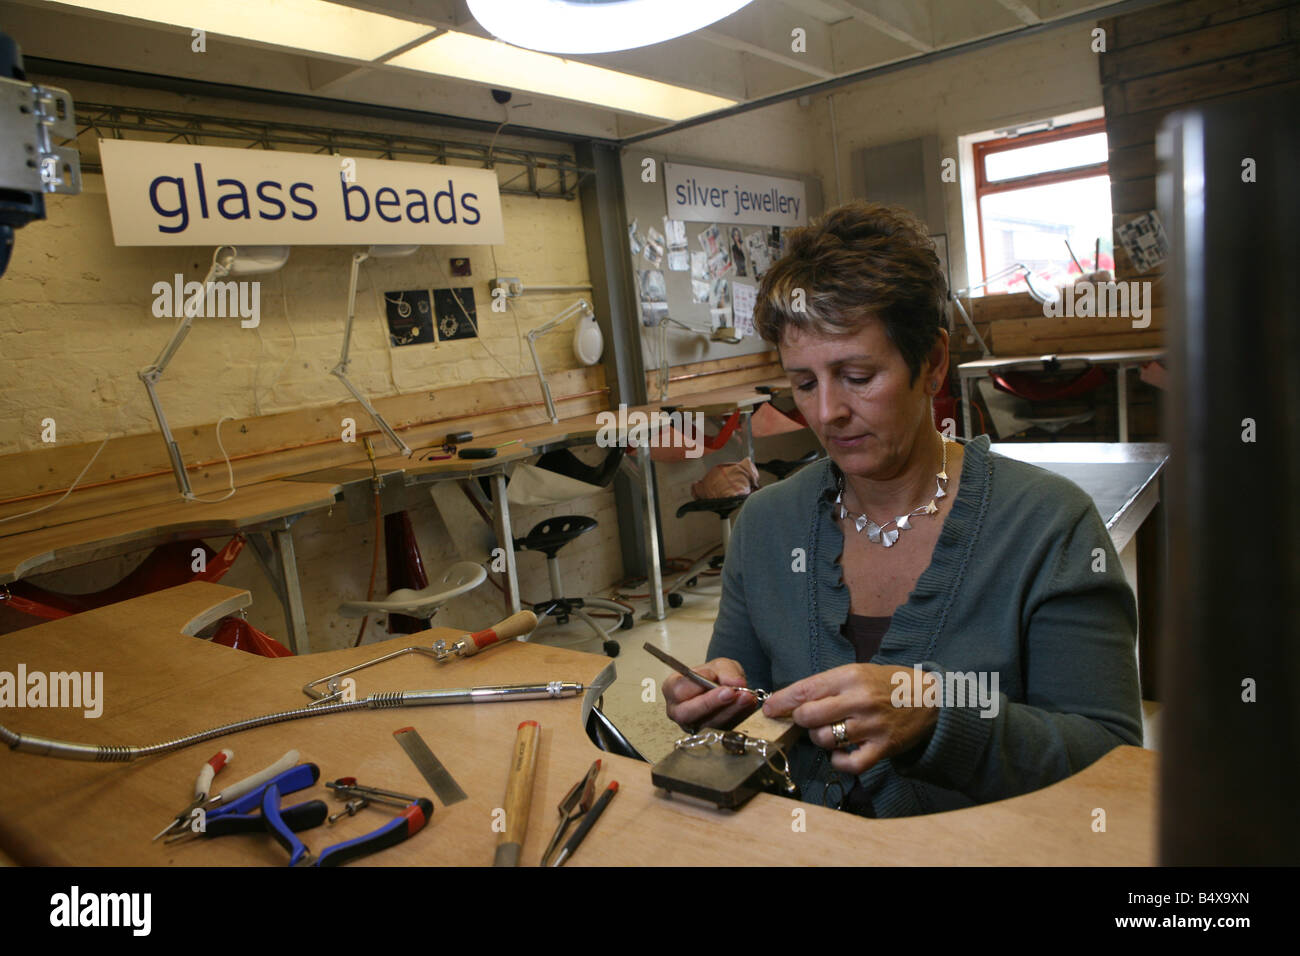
(776, 242)
(679, 259)
(720, 265)
(737, 242)
(410, 317)
(743, 299)
(654, 247)
(720, 294)
(654, 296)
(719, 318)
(455, 314)
(710, 240)
(759, 253)
(700, 291)
(699, 265)
(634, 240)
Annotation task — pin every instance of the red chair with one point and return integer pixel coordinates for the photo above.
(166, 566)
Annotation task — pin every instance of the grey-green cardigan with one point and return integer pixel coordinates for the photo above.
(1015, 586)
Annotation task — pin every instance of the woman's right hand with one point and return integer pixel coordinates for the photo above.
(691, 706)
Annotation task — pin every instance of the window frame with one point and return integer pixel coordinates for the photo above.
(985, 188)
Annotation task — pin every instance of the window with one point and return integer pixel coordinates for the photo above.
(1035, 191)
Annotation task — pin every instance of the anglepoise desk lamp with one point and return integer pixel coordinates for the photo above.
(723, 333)
(340, 371)
(1041, 291)
(588, 344)
(226, 261)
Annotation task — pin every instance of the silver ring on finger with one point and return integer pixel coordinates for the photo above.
(841, 733)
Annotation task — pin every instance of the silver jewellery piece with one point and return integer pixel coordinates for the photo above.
(841, 732)
(734, 742)
(876, 533)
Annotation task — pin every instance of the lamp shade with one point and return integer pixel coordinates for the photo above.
(251, 260)
(596, 26)
(588, 343)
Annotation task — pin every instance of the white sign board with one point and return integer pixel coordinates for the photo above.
(701, 194)
(165, 194)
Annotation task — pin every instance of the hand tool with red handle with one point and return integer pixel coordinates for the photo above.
(201, 787)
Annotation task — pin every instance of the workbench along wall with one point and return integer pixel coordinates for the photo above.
(76, 325)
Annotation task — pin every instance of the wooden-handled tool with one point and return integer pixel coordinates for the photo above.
(516, 625)
(519, 793)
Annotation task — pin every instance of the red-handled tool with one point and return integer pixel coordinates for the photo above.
(201, 788)
(516, 625)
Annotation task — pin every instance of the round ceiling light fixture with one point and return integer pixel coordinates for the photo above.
(596, 26)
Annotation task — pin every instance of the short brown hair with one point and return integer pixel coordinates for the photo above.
(859, 261)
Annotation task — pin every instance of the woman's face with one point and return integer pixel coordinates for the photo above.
(856, 393)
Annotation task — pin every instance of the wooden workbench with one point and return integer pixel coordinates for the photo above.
(88, 526)
(159, 685)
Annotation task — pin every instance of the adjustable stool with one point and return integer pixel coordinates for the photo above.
(723, 508)
(549, 537)
(782, 469)
(460, 578)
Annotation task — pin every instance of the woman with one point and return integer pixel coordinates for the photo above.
(950, 625)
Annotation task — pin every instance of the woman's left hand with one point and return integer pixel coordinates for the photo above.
(860, 696)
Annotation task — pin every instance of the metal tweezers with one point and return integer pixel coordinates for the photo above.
(574, 806)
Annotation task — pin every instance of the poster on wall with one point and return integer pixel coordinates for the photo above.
(759, 253)
(719, 294)
(1145, 241)
(679, 257)
(410, 317)
(737, 248)
(174, 194)
(455, 314)
(743, 299)
(654, 296)
(654, 247)
(704, 194)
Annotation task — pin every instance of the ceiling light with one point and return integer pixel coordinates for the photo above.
(499, 64)
(596, 26)
(299, 24)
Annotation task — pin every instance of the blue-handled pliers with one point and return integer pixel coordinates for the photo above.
(408, 823)
(239, 816)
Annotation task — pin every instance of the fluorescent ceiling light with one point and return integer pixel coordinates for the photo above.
(498, 64)
(299, 24)
(596, 26)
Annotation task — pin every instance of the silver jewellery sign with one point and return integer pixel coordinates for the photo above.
(167, 194)
(702, 194)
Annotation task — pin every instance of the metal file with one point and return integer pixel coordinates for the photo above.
(430, 767)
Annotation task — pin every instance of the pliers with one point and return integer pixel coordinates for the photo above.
(415, 814)
(238, 816)
(184, 819)
(201, 787)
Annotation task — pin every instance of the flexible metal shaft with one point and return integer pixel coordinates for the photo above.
(113, 753)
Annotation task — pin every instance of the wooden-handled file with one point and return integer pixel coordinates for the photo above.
(519, 793)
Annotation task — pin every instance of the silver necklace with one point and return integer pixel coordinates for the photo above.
(877, 533)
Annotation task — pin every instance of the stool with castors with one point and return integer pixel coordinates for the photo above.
(549, 537)
(783, 469)
(724, 508)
